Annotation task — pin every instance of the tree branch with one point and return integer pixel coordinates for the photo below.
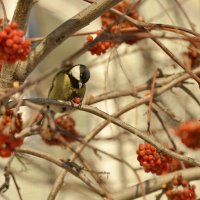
(60, 34)
(22, 12)
(153, 185)
(61, 164)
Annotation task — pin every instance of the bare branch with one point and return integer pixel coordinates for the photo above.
(60, 34)
(61, 164)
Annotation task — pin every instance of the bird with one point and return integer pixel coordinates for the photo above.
(69, 84)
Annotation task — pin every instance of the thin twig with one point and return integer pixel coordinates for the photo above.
(189, 92)
(185, 14)
(151, 100)
(61, 164)
(6, 20)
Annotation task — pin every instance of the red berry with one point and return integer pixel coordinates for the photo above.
(17, 39)
(7, 29)
(14, 25)
(20, 33)
(3, 34)
(89, 38)
(4, 153)
(9, 42)
(77, 100)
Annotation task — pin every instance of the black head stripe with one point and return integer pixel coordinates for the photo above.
(74, 82)
(85, 73)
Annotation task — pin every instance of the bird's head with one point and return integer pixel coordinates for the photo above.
(80, 73)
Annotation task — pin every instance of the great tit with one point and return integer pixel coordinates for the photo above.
(68, 85)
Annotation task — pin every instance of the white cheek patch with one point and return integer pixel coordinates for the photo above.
(75, 72)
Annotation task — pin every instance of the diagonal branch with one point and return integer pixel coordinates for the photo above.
(60, 34)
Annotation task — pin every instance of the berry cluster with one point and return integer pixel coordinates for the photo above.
(189, 132)
(152, 160)
(100, 47)
(10, 125)
(180, 189)
(12, 45)
(112, 23)
(66, 123)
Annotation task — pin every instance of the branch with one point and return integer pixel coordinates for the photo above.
(65, 166)
(143, 27)
(60, 34)
(140, 134)
(112, 118)
(129, 128)
(153, 185)
(166, 83)
(22, 12)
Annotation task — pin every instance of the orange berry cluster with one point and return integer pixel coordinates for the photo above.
(67, 123)
(152, 160)
(113, 24)
(189, 132)
(13, 46)
(10, 125)
(180, 189)
(100, 47)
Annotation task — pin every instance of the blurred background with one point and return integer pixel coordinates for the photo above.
(121, 68)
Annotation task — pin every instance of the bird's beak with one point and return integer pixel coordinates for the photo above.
(80, 84)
